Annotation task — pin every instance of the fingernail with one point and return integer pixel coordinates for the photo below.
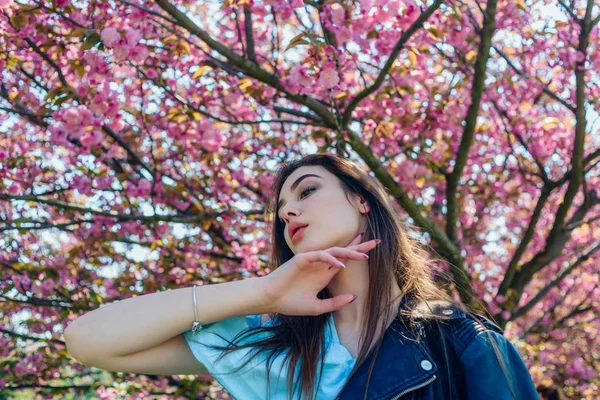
(355, 296)
(364, 255)
(341, 264)
(377, 241)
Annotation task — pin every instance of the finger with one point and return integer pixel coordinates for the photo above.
(334, 303)
(324, 257)
(356, 240)
(365, 246)
(344, 253)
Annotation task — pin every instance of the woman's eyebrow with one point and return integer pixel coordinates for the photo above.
(295, 185)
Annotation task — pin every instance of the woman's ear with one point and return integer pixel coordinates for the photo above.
(363, 205)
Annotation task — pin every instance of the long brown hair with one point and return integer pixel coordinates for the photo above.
(398, 255)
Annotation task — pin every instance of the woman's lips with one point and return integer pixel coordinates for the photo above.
(298, 234)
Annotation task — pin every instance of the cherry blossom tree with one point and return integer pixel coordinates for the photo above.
(138, 142)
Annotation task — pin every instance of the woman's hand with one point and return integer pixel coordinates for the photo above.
(293, 287)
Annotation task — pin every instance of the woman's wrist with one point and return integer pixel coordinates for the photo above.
(261, 303)
(231, 299)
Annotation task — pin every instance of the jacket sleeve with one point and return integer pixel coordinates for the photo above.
(484, 375)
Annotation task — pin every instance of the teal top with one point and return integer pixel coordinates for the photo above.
(250, 382)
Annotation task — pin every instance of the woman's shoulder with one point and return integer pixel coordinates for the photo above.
(446, 311)
(457, 323)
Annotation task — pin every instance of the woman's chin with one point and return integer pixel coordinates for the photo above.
(312, 243)
(304, 246)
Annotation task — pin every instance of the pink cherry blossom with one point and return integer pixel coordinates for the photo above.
(133, 37)
(144, 187)
(81, 91)
(337, 14)
(344, 34)
(139, 53)
(110, 36)
(328, 77)
(151, 73)
(300, 75)
(92, 138)
(121, 50)
(213, 141)
(72, 116)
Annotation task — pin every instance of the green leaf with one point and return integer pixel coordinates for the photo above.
(12, 63)
(79, 32)
(96, 298)
(297, 41)
(91, 40)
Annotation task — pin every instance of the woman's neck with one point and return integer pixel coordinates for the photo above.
(355, 280)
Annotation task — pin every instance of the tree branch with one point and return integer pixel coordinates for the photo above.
(327, 34)
(41, 225)
(570, 11)
(577, 224)
(128, 149)
(527, 307)
(577, 310)
(513, 265)
(554, 307)
(558, 234)
(45, 303)
(32, 386)
(388, 65)
(149, 11)
(542, 172)
(249, 34)
(483, 54)
(513, 283)
(22, 110)
(38, 339)
(178, 99)
(250, 68)
(123, 217)
(297, 113)
(525, 75)
(50, 61)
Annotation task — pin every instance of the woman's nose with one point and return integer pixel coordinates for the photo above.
(289, 212)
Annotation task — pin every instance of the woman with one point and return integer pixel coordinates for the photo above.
(328, 321)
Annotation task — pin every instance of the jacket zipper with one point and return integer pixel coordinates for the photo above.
(410, 389)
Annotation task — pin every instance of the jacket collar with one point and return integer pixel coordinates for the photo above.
(402, 365)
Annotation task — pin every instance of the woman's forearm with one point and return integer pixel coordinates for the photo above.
(142, 322)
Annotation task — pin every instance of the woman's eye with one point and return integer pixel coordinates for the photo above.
(306, 190)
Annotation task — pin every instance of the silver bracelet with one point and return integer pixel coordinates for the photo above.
(196, 326)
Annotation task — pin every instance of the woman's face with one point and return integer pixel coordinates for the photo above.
(314, 197)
